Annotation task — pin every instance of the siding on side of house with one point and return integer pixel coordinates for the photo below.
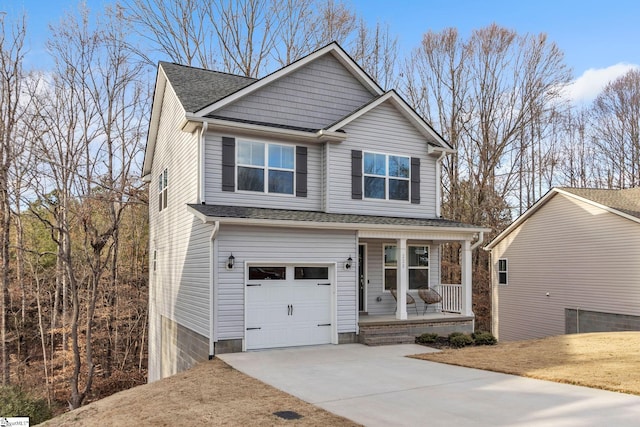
(583, 256)
(314, 96)
(383, 130)
(288, 246)
(179, 288)
(375, 276)
(213, 179)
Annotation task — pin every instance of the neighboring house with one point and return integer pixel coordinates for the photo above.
(284, 209)
(569, 264)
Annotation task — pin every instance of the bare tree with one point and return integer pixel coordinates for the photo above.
(376, 50)
(177, 29)
(12, 80)
(615, 124)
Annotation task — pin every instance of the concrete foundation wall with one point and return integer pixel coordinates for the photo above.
(583, 321)
(182, 348)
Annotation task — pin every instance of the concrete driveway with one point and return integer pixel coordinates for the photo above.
(378, 386)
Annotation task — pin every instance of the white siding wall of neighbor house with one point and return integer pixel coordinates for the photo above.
(179, 289)
(583, 256)
(375, 276)
(213, 179)
(314, 96)
(288, 246)
(382, 130)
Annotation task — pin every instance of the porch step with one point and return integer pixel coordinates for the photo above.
(386, 335)
(389, 340)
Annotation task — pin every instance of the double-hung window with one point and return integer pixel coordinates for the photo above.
(502, 271)
(386, 176)
(267, 168)
(162, 190)
(418, 265)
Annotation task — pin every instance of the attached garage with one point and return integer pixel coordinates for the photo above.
(288, 305)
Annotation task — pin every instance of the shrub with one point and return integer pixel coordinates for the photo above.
(454, 334)
(427, 338)
(16, 403)
(484, 338)
(461, 340)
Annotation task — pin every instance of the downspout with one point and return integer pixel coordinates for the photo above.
(213, 289)
(201, 162)
(479, 241)
(439, 184)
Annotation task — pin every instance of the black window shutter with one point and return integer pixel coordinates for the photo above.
(356, 174)
(415, 180)
(301, 171)
(228, 164)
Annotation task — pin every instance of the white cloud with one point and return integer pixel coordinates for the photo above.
(586, 87)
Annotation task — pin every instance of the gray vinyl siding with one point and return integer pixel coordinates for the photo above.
(375, 276)
(213, 179)
(314, 96)
(584, 256)
(288, 246)
(382, 130)
(180, 286)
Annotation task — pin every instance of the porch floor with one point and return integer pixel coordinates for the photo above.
(366, 319)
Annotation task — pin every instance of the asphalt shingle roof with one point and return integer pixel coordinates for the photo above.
(627, 200)
(196, 88)
(220, 211)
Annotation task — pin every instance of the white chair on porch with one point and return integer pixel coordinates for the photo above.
(410, 300)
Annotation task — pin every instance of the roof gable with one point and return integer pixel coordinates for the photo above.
(625, 203)
(332, 48)
(312, 96)
(409, 113)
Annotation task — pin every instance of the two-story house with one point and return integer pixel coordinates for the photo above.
(288, 208)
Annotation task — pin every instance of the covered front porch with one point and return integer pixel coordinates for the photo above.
(394, 271)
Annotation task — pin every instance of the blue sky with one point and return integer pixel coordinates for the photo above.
(600, 39)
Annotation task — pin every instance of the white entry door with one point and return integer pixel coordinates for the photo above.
(287, 306)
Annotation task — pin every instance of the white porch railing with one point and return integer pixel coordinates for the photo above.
(451, 297)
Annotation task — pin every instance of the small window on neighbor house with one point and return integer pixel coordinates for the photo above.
(502, 271)
(162, 190)
(155, 260)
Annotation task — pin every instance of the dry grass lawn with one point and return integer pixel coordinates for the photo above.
(212, 393)
(608, 361)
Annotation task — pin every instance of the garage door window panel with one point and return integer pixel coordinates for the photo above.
(267, 273)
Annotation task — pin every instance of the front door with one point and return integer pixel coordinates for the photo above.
(362, 257)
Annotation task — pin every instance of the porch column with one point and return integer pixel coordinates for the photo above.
(402, 279)
(467, 292)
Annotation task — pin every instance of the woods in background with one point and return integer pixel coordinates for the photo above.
(73, 214)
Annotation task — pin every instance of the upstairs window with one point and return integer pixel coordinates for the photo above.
(266, 168)
(386, 176)
(502, 271)
(162, 190)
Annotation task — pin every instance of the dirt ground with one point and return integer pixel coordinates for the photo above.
(608, 361)
(211, 393)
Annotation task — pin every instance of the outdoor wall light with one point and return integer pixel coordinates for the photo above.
(231, 261)
(347, 265)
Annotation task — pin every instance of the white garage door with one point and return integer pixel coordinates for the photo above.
(287, 306)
